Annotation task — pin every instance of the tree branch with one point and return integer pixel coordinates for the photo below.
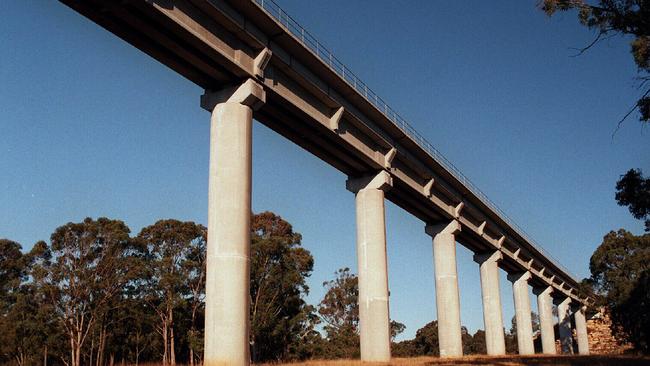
(634, 107)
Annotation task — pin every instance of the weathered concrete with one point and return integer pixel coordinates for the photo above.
(581, 330)
(374, 321)
(564, 325)
(492, 317)
(447, 298)
(546, 323)
(229, 212)
(522, 312)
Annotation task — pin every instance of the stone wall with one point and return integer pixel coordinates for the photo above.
(601, 339)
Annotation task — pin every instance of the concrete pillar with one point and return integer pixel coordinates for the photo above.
(447, 297)
(229, 212)
(374, 321)
(546, 323)
(564, 324)
(522, 312)
(492, 317)
(581, 330)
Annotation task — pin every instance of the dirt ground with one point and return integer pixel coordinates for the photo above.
(493, 361)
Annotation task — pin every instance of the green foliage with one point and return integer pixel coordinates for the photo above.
(340, 311)
(12, 271)
(96, 295)
(280, 318)
(479, 347)
(174, 263)
(92, 262)
(617, 17)
(20, 318)
(396, 328)
(633, 191)
(426, 340)
(620, 268)
(340, 307)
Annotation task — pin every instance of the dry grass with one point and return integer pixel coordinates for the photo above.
(537, 360)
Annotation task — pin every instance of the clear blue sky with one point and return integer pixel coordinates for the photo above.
(90, 126)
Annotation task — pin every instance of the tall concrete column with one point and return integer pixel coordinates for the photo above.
(229, 212)
(546, 323)
(581, 330)
(522, 312)
(447, 298)
(492, 317)
(564, 324)
(374, 321)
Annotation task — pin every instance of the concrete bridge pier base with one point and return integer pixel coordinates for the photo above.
(546, 326)
(374, 320)
(522, 312)
(581, 330)
(564, 324)
(447, 297)
(492, 316)
(229, 212)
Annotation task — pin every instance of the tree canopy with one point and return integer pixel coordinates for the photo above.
(95, 295)
(633, 191)
(617, 17)
(620, 272)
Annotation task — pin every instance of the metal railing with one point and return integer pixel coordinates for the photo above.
(309, 41)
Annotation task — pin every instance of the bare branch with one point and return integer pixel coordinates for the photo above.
(634, 107)
(602, 35)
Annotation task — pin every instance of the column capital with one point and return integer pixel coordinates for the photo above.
(249, 93)
(453, 227)
(481, 258)
(578, 307)
(382, 181)
(517, 276)
(543, 290)
(566, 301)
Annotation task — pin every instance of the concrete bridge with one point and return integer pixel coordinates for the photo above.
(254, 61)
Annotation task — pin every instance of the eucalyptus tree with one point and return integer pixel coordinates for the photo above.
(280, 318)
(92, 261)
(174, 274)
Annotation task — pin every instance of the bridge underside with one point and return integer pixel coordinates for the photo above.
(219, 45)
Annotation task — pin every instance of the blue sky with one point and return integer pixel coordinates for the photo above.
(90, 126)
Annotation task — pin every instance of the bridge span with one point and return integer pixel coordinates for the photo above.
(255, 61)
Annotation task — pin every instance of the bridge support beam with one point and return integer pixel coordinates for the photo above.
(374, 318)
(447, 297)
(229, 211)
(564, 325)
(581, 330)
(522, 312)
(492, 316)
(546, 323)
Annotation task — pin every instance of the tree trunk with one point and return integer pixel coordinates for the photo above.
(170, 322)
(45, 356)
(101, 346)
(92, 348)
(72, 349)
(172, 352)
(165, 343)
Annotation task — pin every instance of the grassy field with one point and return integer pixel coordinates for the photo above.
(492, 361)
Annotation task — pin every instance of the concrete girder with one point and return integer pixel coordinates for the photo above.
(261, 61)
